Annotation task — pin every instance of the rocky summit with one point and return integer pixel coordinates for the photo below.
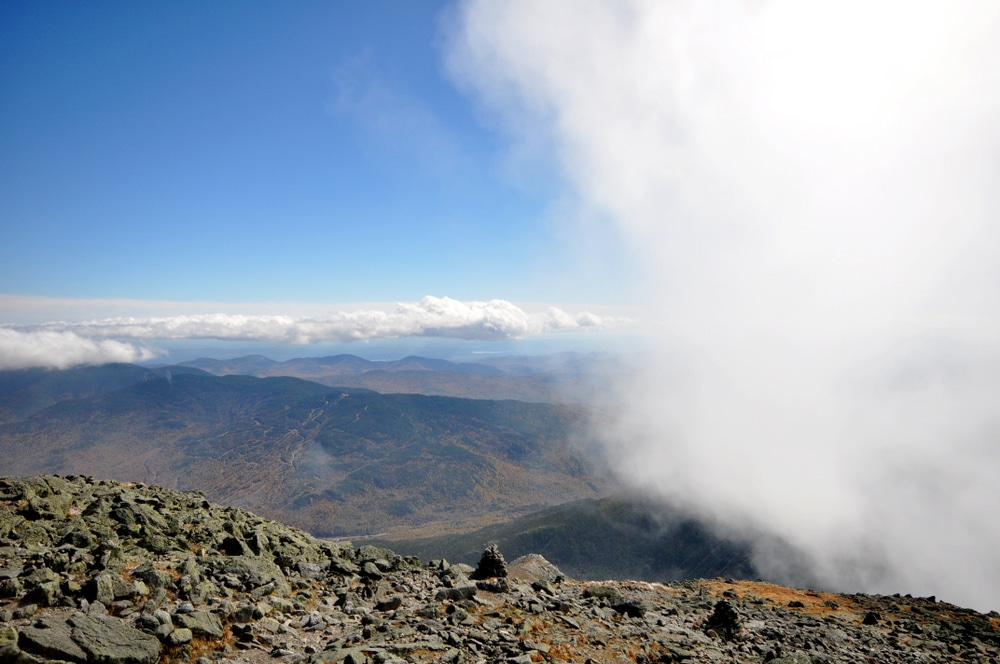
(98, 571)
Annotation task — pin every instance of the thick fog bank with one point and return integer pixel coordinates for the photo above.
(811, 189)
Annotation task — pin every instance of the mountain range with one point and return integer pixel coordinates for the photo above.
(336, 461)
(559, 378)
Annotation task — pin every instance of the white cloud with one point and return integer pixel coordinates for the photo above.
(63, 349)
(811, 188)
(86, 342)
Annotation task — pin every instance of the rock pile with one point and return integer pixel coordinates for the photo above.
(96, 571)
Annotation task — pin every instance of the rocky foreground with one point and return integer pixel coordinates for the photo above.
(97, 571)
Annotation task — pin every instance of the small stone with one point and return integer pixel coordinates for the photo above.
(389, 604)
(25, 611)
(180, 636)
(371, 570)
(201, 623)
(456, 593)
(11, 587)
(632, 608)
(601, 592)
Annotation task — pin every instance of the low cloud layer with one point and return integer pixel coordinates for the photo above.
(811, 189)
(62, 350)
(61, 344)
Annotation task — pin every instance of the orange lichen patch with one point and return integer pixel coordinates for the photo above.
(813, 602)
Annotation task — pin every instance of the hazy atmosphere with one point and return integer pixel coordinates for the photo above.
(788, 209)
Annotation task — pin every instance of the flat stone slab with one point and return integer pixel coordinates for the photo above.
(110, 641)
(201, 623)
(51, 638)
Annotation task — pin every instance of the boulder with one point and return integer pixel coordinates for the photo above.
(51, 638)
(180, 636)
(533, 567)
(251, 571)
(111, 641)
(201, 623)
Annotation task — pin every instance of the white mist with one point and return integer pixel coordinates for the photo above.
(813, 191)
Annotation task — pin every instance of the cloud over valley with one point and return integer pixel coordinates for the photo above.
(122, 339)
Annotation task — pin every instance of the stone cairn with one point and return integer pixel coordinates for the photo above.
(491, 564)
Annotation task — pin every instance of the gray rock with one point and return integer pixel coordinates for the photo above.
(51, 638)
(154, 578)
(25, 611)
(797, 658)
(251, 571)
(39, 576)
(46, 594)
(243, 614)
(343, 567)
(322, 610)
(201, 623)
(106, 588)
(371, 570)
(456, 593)
(111, 641)
(180, 636)
(389, 604)
(312, 571)
(11, 587)
(8, 635)
(632, 608)
(602, 592)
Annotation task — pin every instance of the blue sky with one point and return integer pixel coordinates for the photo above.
(284, 153)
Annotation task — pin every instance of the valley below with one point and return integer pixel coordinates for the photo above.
(334, 461)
